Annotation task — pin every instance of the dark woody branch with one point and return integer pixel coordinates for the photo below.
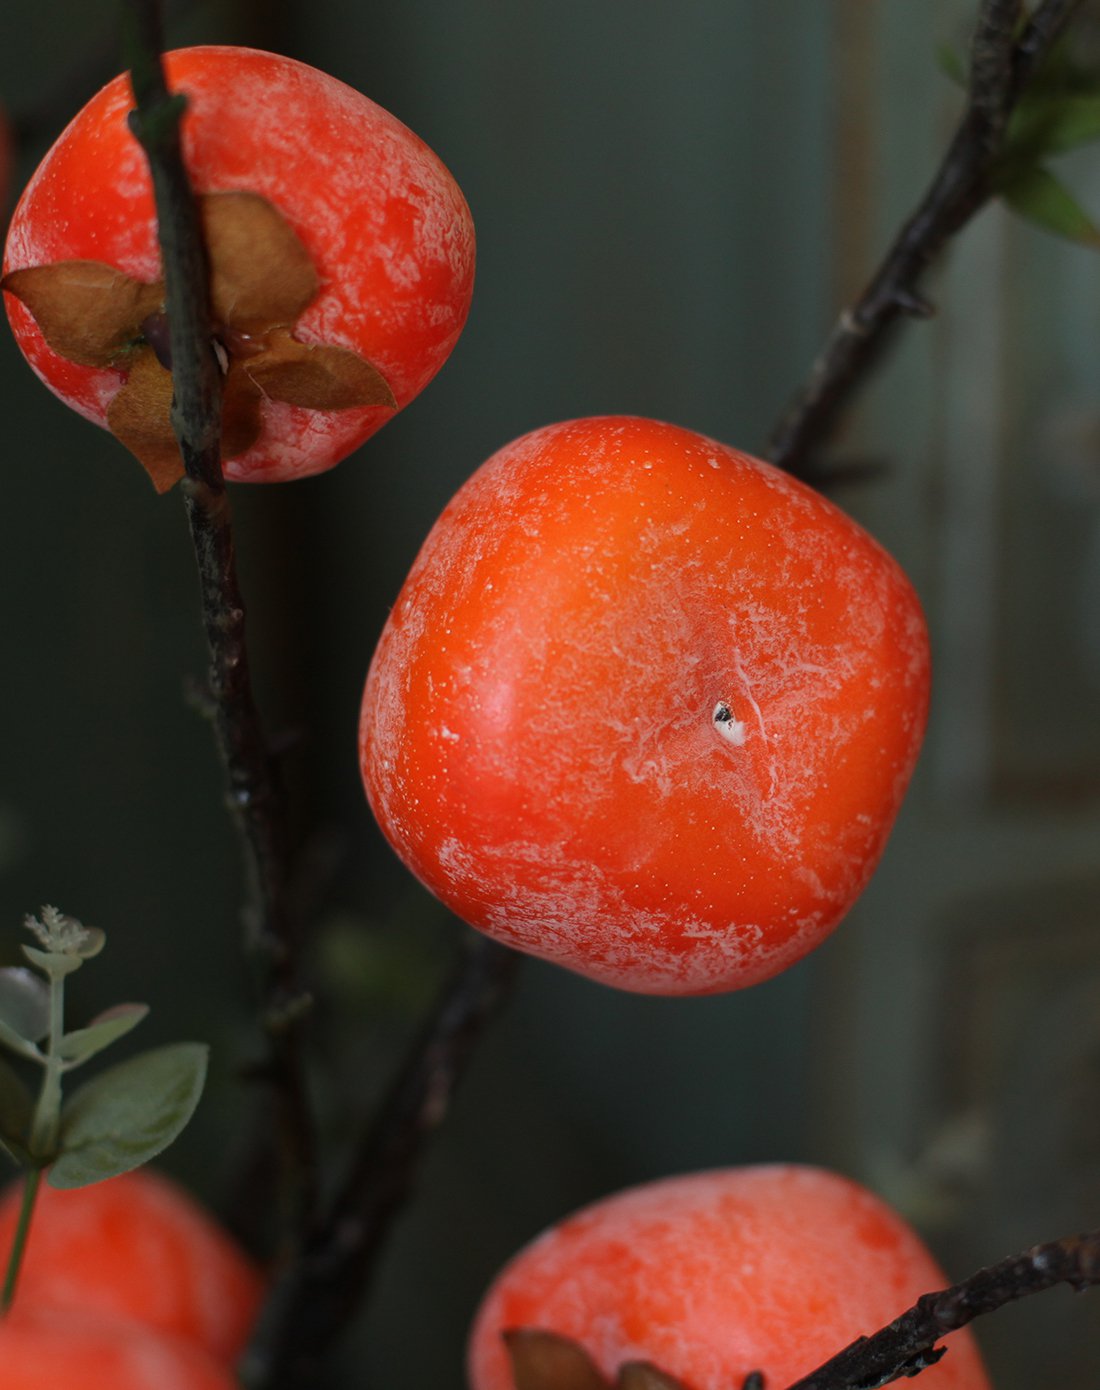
(330, 1256)
(253, 793)
(1001, 64)
(908, 1345)
(316, 1297)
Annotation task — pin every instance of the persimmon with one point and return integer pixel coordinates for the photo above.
(136, 1246)
(713, 1276)
(646, 707)
(341, 250)
(44, 1348)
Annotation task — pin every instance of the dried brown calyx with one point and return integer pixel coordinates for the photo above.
(544, 1360)
(261, 279)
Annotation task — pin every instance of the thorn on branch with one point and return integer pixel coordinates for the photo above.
(285, 1014)
(909, 1344)
(913, 304)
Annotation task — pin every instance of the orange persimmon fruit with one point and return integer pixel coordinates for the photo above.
(646, 707)
(715, 1275)
(136, 1246)
(341, 251)
(43, 1348)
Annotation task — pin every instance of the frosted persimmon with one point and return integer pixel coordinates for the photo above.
(713, 1276)
(44, 1348)
(341, 251)
(137, 1247)
(646, 707)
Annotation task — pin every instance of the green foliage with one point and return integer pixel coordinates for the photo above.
(24, 1010)
(117, 1121)
(1059, 112)
(1049, 125)
(104, 1029)
(952, 63)
(127, 1115)
(1041, 197)
(16, 1111)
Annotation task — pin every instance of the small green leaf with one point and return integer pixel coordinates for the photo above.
(24, 1003)
(1072, 121)
(1042, 198)
(128, 1114)
(952, 63)
(53, 963)
(10, 1038)
(16, 1110)
(104, 1029)
(1043, 125)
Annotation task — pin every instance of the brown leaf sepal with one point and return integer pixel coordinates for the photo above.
(88, 312)
(261, 276)
(261, 279)
(320, 378)
(137, 415)
(543, 1360)
(644, 1375)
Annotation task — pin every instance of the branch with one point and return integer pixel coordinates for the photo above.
(1000, 67)
(318, 1296)
(328, 1264)
(253, 792)
(908, 1345)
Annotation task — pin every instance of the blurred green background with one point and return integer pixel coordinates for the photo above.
(672, 202)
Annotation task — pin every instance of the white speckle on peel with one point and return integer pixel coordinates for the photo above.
(732, 730)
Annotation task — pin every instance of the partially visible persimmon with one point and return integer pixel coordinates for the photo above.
(715, 1275)
(136, 1246)
(44, 1348)
(646, 707)
(342, 259)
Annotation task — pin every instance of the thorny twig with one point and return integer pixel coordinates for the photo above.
(254, 795)
(908, 1345)
(1000, 66)
(329, 1257)
(316, 1297)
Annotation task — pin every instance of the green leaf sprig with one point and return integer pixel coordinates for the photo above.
(1059, 112)
(120, 1119)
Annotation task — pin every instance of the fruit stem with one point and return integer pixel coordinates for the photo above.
(19, 1240)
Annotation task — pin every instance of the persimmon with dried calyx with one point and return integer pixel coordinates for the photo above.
(341, 254)
(706, 1279)
(646, 707)
(136, 1247)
